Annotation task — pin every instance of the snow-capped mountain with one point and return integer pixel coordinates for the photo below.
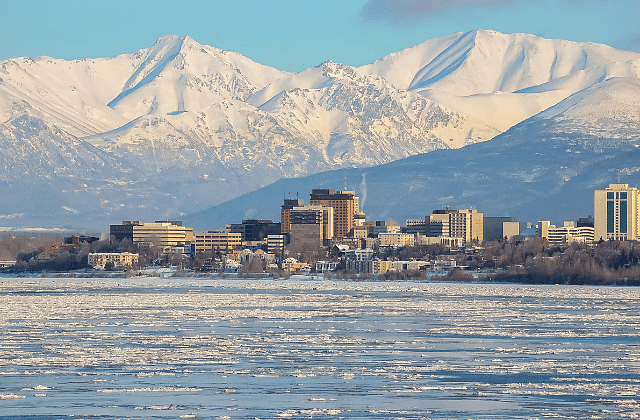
(179, 127)
(544, 168)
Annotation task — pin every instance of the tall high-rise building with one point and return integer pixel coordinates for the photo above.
(345, 205)
(285, 213)
(616, 213)
(310, 227)
(312, 215)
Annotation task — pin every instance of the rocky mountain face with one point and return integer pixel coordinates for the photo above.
(544, 168)
(179, 127)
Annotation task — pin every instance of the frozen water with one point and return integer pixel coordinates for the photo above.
(214, 349)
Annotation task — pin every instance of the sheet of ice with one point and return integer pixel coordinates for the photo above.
(183, 348)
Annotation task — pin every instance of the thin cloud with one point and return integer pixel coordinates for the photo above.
(403, 11)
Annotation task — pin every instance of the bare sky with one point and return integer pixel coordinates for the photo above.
(294, 35)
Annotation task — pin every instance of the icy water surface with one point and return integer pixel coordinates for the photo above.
(237, 349)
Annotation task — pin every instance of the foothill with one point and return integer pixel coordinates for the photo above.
(329, 236)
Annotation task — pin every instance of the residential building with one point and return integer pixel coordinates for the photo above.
(359, 254)
(325, 266)
(360, 232)
(217, 240)
(616, 214)
(118, 260)
(292, 265)
(396, 239)
(379, 266)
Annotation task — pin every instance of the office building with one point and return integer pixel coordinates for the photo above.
(285, 211)
(253, 230)
(345, 205)
(386, 226)
(416, 226)
(275, 243)
(616, 213)
(467, 224)
(493, 227)
(310, 226)
(217, 241)
(569, 233)
(167, 234)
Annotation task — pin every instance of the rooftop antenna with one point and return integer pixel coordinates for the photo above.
(345, 182)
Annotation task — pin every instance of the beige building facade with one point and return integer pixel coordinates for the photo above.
(397, 239)
(345, 206)
(117, 259)
(616, 213)
(216, 240)
(466, 224)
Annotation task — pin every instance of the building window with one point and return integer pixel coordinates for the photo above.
(623, 216)
(610, 216)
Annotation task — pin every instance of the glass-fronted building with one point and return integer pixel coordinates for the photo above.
(616, 213)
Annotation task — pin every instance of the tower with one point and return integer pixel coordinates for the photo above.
(616, 213)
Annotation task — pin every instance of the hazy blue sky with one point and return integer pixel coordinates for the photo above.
(293, 35)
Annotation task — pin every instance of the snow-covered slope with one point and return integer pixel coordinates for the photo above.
(502, 79)
(544, 168)
(179, 127)
(91, 96)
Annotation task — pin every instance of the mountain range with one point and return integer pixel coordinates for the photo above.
(506, 123)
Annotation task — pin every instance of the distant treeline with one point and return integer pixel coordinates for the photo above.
(534, 261)
(523, 261)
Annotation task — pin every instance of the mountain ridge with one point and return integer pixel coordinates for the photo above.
(179, 127)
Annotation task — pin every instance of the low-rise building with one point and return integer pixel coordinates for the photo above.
(325, 266)
(275, 243)
(396, 239)
(569, 233)
(292, 265)
(159, 233)
(416, 226)
(118, 260)
(217, 240)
